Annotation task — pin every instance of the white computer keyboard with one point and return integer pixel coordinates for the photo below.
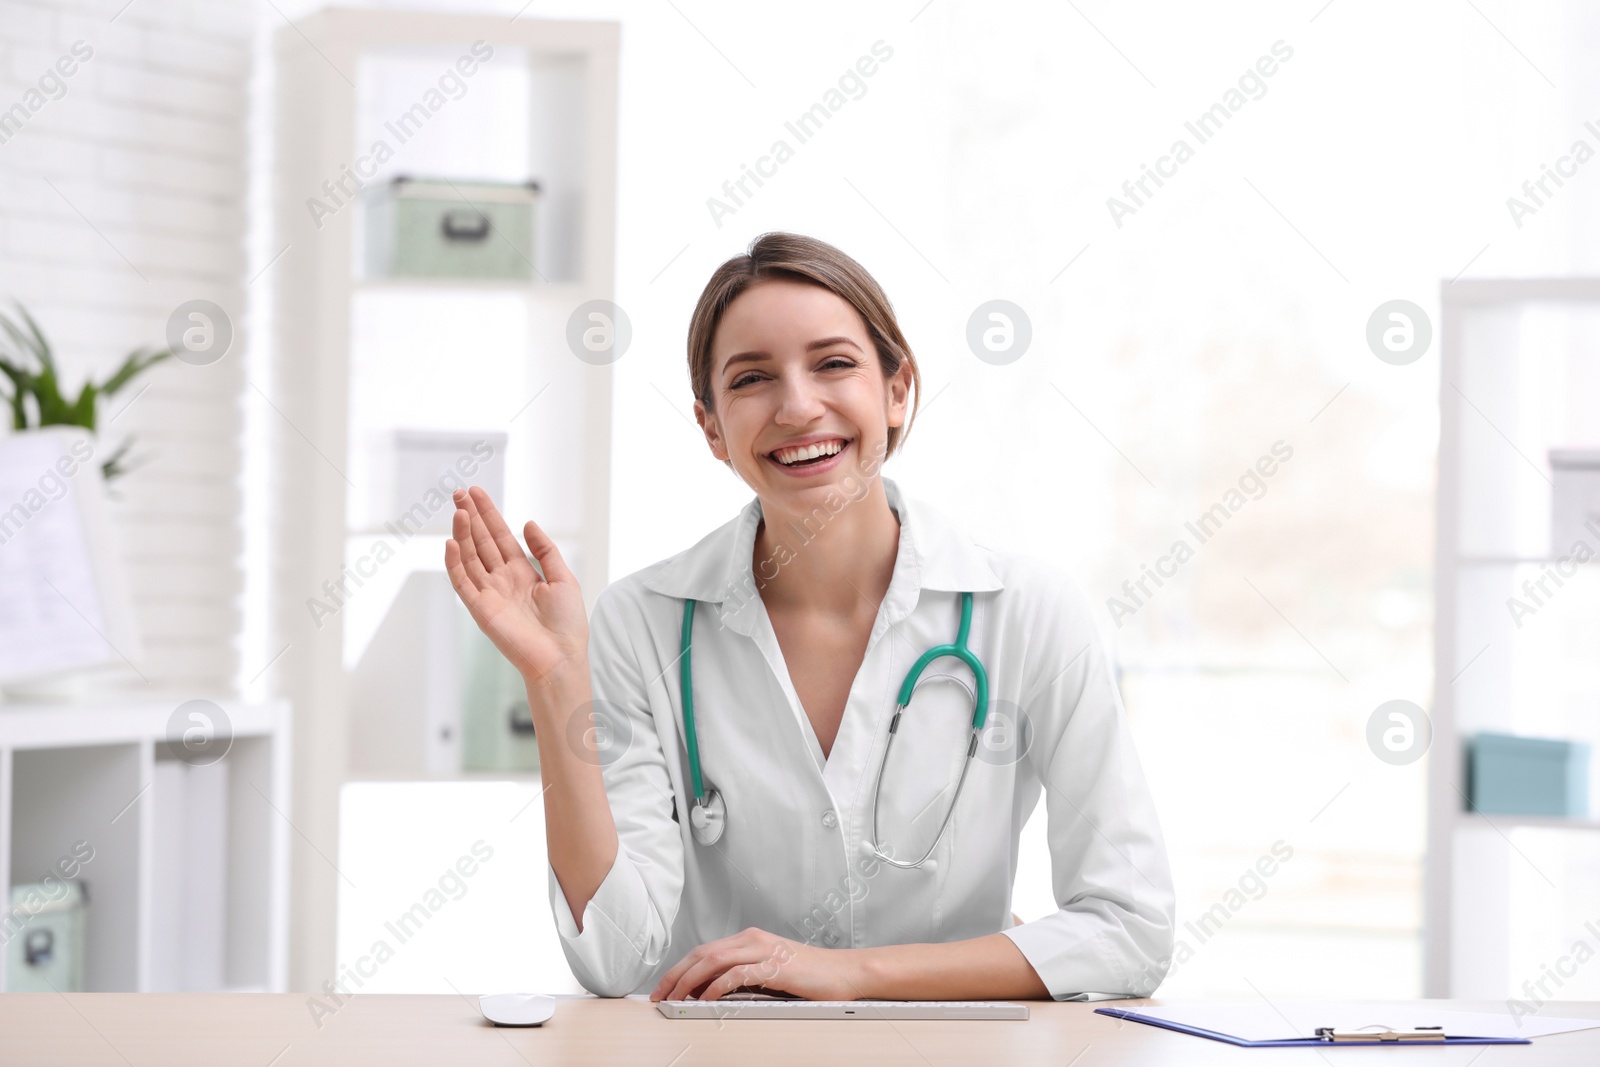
(841, 1009)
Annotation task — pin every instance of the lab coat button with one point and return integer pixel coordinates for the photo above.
(829, 819)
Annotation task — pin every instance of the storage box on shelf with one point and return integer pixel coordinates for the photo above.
(444, 229)
(1511, 775)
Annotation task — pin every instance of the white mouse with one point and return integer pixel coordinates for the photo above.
(517, 1009)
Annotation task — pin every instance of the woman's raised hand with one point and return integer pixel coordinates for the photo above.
(539, 624)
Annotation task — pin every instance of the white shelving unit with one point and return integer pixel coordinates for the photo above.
(1520, 374)
(357, 357)
(187, 883)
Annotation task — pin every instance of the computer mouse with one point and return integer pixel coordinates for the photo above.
(517, 1009)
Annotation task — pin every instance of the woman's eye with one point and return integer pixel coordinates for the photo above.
(836, 361)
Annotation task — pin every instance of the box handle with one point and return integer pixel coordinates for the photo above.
(521, 718)
(39, 947)
(464, 225)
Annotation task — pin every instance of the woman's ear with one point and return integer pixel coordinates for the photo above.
(712, 429)
(899, 390)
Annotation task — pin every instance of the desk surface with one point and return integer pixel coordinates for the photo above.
(262, 1030)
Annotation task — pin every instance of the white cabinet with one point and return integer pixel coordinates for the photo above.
(1517, 636)
(363, 96)
(184, 859)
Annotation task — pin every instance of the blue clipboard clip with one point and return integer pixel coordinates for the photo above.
(1376, 1034)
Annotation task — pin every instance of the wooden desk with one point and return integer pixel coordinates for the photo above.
(276, 1030)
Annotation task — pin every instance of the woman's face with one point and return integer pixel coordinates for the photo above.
(793, 367)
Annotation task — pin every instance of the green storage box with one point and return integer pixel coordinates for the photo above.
(496, 725)
(44, 938)
(424, 228)
(1511, 775)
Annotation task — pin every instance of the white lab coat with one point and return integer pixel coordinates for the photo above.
(793, 858)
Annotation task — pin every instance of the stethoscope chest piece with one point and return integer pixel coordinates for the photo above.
(707, 820)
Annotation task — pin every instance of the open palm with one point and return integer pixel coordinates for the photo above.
(538, 623)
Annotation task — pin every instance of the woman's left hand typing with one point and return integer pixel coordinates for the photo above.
(754, 957)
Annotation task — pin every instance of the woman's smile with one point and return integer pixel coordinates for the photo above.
(808, 460)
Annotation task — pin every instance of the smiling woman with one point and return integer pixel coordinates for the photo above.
(722, 806)
(807, 280)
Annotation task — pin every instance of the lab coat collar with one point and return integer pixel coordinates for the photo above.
(933, 554)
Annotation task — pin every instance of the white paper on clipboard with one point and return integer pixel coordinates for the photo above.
(64, 601)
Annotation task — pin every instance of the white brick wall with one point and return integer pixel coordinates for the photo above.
(147, 154)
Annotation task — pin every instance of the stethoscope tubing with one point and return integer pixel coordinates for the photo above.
(691, 739)
(705, 802)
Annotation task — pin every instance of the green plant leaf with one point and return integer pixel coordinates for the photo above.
(21, 381)
(137, 362)
(20, 343)
(82, 412)
(53, 408)
(111, 468)
(41, 346)
(30, 342)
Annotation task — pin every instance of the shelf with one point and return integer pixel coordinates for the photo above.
(83, 801)
(108, 721)
(1542, 822)
(186, 873)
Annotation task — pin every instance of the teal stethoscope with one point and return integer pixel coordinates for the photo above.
(709, 815)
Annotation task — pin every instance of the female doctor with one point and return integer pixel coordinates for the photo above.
(723, 804)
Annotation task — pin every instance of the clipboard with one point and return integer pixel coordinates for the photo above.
(1331, 1036)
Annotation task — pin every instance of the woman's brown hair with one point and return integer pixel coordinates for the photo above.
(803, 259)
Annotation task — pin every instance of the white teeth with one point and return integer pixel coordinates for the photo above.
(791, 456)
